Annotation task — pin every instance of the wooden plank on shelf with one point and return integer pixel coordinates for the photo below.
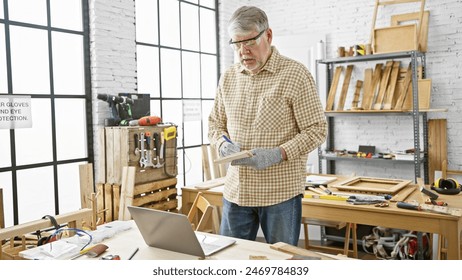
(344, 91)
(383, 85)
(395, 39)
(424, 90)
(375, 84)
(367, 92)
(333, 89)
(437, 146)
(405, 88)
(391, 86)
(355, 102)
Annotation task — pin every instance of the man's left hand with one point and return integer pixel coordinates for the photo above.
(262, 158)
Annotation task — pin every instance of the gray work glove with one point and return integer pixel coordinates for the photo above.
(227, 149)
(262, 158)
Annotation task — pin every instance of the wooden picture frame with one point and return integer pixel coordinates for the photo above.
(414, 17)
(370, 184)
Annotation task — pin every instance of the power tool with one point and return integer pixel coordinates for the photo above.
(120, 109)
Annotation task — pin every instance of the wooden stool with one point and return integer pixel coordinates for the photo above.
(332, 224)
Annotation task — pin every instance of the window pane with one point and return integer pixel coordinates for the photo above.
(208, 3)
(6, 186)
(169, 23)
(69, 187)
(70, 136)
(189, 27)
(148, 70)
(146, 21)
(29, 60)
(66, 14)
(191, 75)
(171, 73)
(35, 193)
(193, 133)
(208, 31)
(3, 76)
(33, 145)
(194, 175)
(68, 73)
(206, 109)
(30, 11)
(171, 113)
(209, 75)
(1, 10)
(155, 108)
(5, 149)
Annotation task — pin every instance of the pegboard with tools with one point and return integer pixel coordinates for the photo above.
(151, 149)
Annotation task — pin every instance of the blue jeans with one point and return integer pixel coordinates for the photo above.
(279, 223)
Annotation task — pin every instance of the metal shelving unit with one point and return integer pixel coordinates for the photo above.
(413, 57)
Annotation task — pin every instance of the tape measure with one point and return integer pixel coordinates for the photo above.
(169, 133)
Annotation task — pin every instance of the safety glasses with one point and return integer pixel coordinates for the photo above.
(248, 42)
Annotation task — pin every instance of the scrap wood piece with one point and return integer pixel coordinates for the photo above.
(333, 88)
(383, 86)
(375, 84)
(293, 250)
(210, 184)
(367, 93)
(355, 102)
(406, 83)
(391, 86)
(344, 91)
(126, 195)
(403, 194)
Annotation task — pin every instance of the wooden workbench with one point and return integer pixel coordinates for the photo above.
(444, 225)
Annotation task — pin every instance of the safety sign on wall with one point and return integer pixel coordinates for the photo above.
(15, 112)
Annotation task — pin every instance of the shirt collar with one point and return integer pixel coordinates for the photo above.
(270, 65)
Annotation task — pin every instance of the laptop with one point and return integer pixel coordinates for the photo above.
(173, 231)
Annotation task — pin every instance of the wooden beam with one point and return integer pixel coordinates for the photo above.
(333, 89)
(126, 196)
(346, 84)
(86, 184)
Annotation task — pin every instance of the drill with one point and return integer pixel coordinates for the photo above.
(120, 109)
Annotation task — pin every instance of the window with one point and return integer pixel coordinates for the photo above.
(177, 64)
(43, 45)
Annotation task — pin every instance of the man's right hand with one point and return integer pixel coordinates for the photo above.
(227, 149)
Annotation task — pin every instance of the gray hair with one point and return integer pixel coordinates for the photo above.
(246, 19)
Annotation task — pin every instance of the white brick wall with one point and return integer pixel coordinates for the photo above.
(113, 64)
(349, 22)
